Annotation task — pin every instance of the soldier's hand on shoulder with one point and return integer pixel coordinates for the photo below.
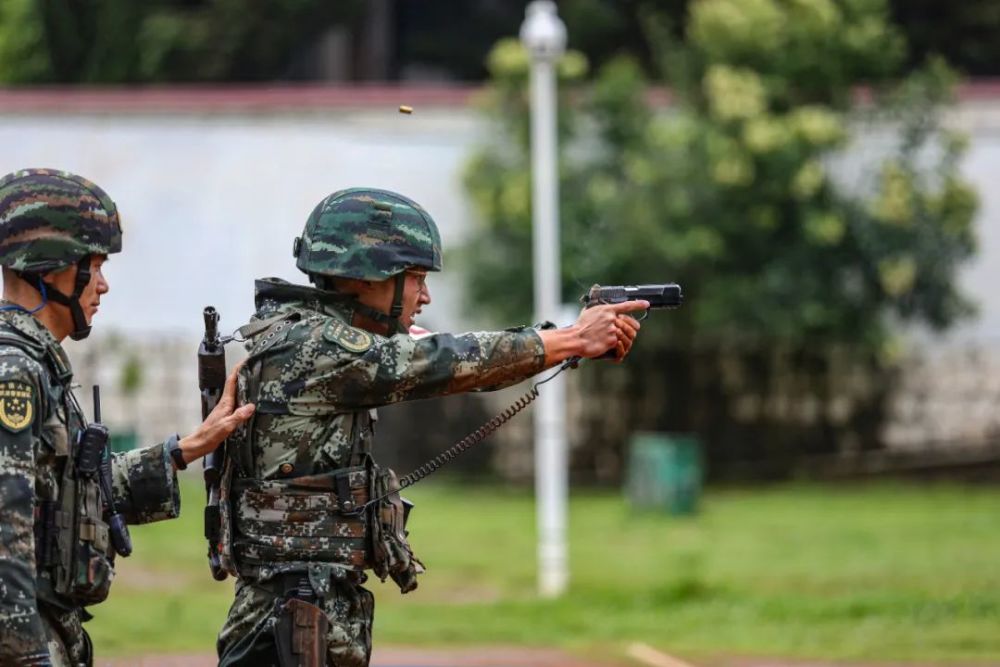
(220, 422)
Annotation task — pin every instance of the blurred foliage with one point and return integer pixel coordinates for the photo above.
(121, 41)
(132, 375)
(966, 32)
(795, 218)
(602, 29)
(736, 187)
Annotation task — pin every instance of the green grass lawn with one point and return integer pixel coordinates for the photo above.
(885, 572)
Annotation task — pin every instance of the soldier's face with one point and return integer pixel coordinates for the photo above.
(416, 295)
(98, 287)
(90, 300)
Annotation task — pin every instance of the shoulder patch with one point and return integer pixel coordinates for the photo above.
(349, 338)
(17, 409)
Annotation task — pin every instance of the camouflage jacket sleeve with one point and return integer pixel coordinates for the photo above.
(145, 485)
(402, 368)
(21, 630)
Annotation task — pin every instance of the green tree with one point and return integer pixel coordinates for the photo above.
(22, 43)
(804, 217)
(122, 41)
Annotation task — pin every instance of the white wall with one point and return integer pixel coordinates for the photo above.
(211, 202)
(981, 277)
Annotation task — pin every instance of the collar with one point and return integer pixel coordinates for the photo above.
(274, 295)
(32, 329)
(27, 325)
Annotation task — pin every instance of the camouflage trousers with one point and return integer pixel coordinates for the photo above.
(69, 644)
(249, 630)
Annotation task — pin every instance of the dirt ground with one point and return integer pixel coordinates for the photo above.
(514, 657)
(398, 657)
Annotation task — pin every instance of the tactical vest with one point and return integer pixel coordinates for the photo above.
(308, 516)
(73, 553)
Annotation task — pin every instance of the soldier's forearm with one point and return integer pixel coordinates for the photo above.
(145, 485)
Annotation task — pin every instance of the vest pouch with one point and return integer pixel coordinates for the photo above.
(391, 552)
(93, 571)
(297, 519)
(84, 569)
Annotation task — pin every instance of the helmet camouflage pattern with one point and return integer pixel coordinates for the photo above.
(368, 234)
(50, 219)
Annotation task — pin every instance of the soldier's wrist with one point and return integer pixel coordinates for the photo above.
(561, 344)
(193, 446)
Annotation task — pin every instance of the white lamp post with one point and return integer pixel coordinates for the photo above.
(544, 35)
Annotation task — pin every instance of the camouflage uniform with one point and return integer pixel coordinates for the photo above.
(39, 423)
(55, 556)
(299, 469)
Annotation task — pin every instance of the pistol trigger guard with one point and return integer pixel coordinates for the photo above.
(644, 315)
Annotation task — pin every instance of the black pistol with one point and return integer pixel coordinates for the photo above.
(93, 458)
(211, 381)
(665, 295)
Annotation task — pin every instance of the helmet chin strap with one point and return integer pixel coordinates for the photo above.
(390, 319)
(80, 327)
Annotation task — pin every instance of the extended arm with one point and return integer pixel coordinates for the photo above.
(402, 368)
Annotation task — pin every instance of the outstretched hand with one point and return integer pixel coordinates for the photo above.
(221, 421)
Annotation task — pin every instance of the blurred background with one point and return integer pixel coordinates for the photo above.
(801, 462)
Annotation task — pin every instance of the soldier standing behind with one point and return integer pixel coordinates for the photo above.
(296, 529)
(56, 544)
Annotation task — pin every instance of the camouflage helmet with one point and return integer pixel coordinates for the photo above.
(367, 234)
(50, 219)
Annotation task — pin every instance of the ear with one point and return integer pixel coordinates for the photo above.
(51, 277)
(352, 285)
